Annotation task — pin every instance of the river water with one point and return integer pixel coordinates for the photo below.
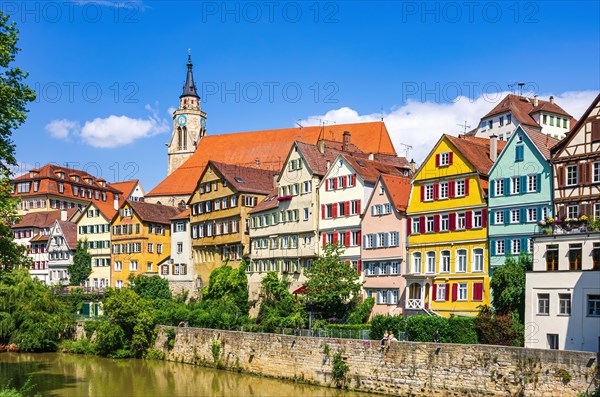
(67, 375)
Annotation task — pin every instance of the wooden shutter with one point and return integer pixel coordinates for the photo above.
(335, 183)
(466, 187)
(422, 224)
(436, 223)
(561, 176)
(585, 209)
(335, 237)
(347, 208)
(334, 210)
(452, 221)
(436, 191)
(358, 207)
(434, 292)
(581, 170)
(437, 160)
(353, 179)
(562, 211)
(324, 239)
(454, 291)
(451, 189)
(596, 131)
(359, 267)
(422, 193)
(468, 219)
(323, 211)
(450, 158)
(409, 226)
(484, 217)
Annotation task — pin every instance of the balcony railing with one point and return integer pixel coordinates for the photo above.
(414, 304)
(583, 224)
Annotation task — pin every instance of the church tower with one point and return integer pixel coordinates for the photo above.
(189, 123)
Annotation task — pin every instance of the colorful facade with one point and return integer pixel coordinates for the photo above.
(141, 240)
(179, 269)
(520, 194)
(448, 269)
(219, 214)
(384, 243)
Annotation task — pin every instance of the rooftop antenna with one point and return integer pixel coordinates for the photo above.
(382, 113)
(521, 85)
(298, 123)
(464, 126)
(407, 149)
(511, 86)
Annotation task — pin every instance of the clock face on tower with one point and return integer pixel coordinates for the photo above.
(181, 120)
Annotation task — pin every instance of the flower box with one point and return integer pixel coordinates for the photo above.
(284, 198)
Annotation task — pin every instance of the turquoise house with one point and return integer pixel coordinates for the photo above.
(520, 194)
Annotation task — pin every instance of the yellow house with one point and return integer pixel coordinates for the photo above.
(219, 207)
(448, 262)
(141, 240)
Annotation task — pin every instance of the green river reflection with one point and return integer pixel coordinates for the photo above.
(56, 374)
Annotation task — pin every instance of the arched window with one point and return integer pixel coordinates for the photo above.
(184, 138)
(179, 138)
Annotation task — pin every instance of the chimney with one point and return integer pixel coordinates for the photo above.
(257, 162)
(275, 176)
(63, 215)
(535, 101)
(321, 146)
(346, 144)
(493, 148)
(371, 157)
(328, 164)
(551, 99)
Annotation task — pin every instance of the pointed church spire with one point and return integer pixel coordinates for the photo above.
(189, 89)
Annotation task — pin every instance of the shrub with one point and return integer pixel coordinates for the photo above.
(109, 338)
(340, 369)
(381, 323)
(154, 354)
(462, 330)
(422, 328)
(361, 313)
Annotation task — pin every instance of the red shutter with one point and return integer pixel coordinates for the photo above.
(358, 238)
(437, 160)
(477, 291)
(335, 183)
(454, 291)
(409, 226)
(353, 179)
(596, 131)
(436, 223)
(324, 239)
(335, 237)
(347, 208)
(451, 189)
(323, 209)
(334, 210)
(468, 219)
(466, 187)
(358, 207)
(561, 176)
(452, 221)
(345, 181)
(422, 193)
(422, 224)
(347, 239)
(436, 191)
(359, 267)
(484, 218)
(450, 158)
(434, 292)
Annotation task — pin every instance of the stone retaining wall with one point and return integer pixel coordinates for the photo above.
(407, 368)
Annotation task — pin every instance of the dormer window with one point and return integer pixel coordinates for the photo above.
(501, 121)
(544, 119)
(508, 118)
(490, 124)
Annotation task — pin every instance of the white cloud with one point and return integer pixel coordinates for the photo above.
(420, 124)
(62, 129)
(112, 131)
(171, 110)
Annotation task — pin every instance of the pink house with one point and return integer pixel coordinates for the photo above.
(384, 244)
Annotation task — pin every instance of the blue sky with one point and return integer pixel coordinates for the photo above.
(119, 67)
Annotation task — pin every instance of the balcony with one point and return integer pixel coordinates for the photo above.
(414, 304)
(554, 226)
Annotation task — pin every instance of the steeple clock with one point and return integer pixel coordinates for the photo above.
(189, 123)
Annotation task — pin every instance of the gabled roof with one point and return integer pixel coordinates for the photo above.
(245, 179)
(543, 142)
(317, 161)
(69, 231)
(267, 203)
(155, 213)
(369, 170)
(266, 149)
(522, 109)
(475, 150)
(125, 187)
(43, 219)
(398, 189)
(50, 171)
(582, 120)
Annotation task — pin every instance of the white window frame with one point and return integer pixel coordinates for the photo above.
(461, 260)
(499, 217)
(445, 258)
(463, 292)
(572, 177)
(500, 247)
(478, 260)
(417, 262)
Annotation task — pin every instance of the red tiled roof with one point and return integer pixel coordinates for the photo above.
(316, 160)
(125, 187)
(50, 172)
(522, 108)
(476, 150)
(543, 142)
(42, 219)
(369, 170)
(69, 230)
(245, 179)
(267, 150)
(267, 203)
(40, 237)
(155, 213)
(398, 188)
(185, 214)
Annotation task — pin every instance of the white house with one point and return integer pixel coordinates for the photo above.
(179, 269)
(562, 298)
(61, 250)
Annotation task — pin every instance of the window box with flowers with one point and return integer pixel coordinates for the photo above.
(284, 198)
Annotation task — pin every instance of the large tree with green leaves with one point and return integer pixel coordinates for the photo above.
(333, 285)
(81, 268)
(14, 97)
(508, 286)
